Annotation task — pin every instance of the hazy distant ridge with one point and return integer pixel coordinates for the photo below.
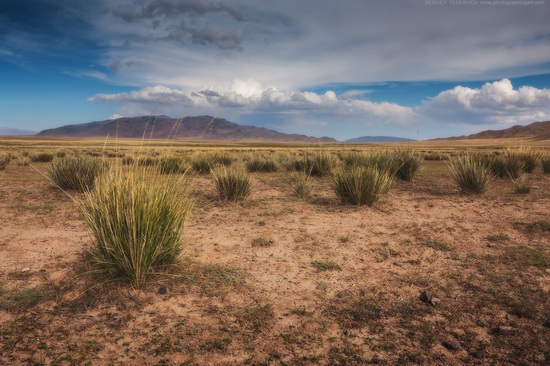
(378, 139)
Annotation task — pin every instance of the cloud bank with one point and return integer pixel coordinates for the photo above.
(496, 104)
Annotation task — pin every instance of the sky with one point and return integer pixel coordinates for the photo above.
(409, 68)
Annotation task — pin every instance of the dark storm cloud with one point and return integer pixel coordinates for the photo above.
(194, 21)
(174, 8)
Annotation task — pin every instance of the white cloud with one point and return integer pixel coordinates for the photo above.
(494, 103)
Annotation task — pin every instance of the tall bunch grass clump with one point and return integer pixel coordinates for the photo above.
(4, 161)
(43, 157)
(222, 158)
(232, 184)
(76, 173)
(545, 162)
(507, 165)
(318, 163)
(471, 174)
(203, 163)
(258, 164)
(361, 185)
(302, 186)
(137, 218)
(384, 161)
(409, 164)
(530, 158)
(171, 165)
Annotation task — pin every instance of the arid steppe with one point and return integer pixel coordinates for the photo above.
(277, 279)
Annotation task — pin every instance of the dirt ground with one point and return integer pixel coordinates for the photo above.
(279, 280)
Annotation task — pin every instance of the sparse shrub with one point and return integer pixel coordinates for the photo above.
(60, 154)
(171, 165)
(231, 184)
(362, 185)
(146, 161)
(505, 165)
(471, 174)
(435, 156)
(261, 165)
(384, 161)
(203, 163)
(42, 157)
(262, 242)
(111, 154)
(322, 266)
(75, 173)
(302, 186)
(409, 164)
(522, 186)
(128, 160)
(137, 218)
(222, 159)
(530, 158)
(4, 161)
(319, 163)
(545, 162)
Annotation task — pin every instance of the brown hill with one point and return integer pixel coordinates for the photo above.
(164, 127)
(533, 131)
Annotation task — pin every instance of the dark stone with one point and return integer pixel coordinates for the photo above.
(451, 345)
(162, 290)
(375, 360)
(426, 296)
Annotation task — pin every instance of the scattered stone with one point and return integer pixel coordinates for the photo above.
(426, 296)
(435, 300)
(451, 345)
(376, 360)
(162, 290)
(42, 270)
(26, 269)
(505, 329)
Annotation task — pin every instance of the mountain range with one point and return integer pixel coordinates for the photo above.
(533, 131)
(378, 139)
(164, 127)
(210, 128)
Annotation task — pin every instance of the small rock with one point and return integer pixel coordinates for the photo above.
(375, 360)
(426, 296)
(435, 300)
(451, 345)
(42, 270)
(26, 269)
(505, 329)
(162, 290)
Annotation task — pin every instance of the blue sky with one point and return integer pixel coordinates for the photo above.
(409, 68)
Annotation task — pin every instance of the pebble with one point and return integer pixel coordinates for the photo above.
(26, 269)
(162, 290)
(426, 296)
(451, 345)
(505, 329)
(322, 286)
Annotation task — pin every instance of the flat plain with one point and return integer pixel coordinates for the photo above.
(276, 279)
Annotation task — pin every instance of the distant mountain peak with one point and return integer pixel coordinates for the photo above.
(164, 127)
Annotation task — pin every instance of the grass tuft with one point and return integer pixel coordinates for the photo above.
(302, 186)
(261, 165)
(231, 184)
(471, 174)
(76, 173)
(319, 163)
(42, 157)
(410, 162)
(171, 165)
(361, 185)
(4, 161)
(137, 218)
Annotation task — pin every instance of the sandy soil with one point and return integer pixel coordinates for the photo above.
(484, 257)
